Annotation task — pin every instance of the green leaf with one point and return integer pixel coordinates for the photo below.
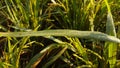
(64, 32)
(38, 57)
(110, 47)
(55, 57)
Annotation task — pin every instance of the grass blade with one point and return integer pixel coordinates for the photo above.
(80, 49)
(71, 33)
(38, 57)
(55, 57)
(111, 48)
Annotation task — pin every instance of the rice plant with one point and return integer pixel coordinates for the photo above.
(59, 34)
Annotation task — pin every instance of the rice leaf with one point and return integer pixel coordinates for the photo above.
(38, 57)
(64, 32)
(110, 47)
(55, 57)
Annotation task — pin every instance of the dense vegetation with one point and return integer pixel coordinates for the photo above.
(59, 33)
